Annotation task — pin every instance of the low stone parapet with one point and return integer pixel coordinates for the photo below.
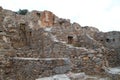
(31, 68)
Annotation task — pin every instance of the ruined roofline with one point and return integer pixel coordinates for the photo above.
(53, 18)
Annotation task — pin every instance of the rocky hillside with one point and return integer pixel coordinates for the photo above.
(40, 44)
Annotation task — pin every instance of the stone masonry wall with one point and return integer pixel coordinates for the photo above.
(44, 35)
(32, 68)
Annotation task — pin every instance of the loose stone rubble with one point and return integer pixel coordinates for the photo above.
(28, 44)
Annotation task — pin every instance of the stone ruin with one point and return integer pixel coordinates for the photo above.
(40, 44)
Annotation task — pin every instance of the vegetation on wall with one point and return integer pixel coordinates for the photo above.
(22, 11)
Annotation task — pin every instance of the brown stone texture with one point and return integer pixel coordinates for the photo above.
(47, 19)
(44, 35)
(30, 69)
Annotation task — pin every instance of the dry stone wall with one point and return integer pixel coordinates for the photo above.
(111, 40)
(44, 35)
(32, 68)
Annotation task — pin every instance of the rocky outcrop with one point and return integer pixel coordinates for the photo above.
(44, 35)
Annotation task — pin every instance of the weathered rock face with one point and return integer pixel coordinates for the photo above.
(47, 19)
(44, 35)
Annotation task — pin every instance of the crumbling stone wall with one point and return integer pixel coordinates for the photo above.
(32, 68)
(44, 35)
(47, 19)
(111, 40)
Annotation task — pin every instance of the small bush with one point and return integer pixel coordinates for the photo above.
(22, 12)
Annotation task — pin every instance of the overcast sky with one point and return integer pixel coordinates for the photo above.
(102, 14)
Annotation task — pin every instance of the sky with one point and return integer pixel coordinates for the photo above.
(102, 14)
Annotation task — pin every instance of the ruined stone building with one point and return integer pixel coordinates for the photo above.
(27, 40)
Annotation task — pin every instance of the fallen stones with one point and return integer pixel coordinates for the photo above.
(73, 76)
(56, 77)
(113, 73)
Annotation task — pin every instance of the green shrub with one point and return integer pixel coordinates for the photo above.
(22, 12)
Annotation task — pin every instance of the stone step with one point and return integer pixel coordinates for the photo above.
(56, 77)
(37, 59)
